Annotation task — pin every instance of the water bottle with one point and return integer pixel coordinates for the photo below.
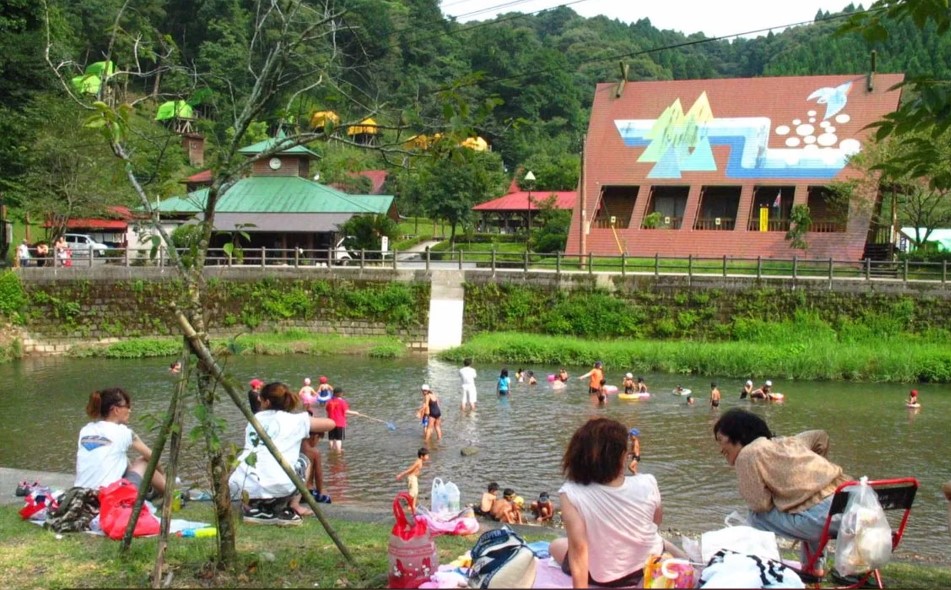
(198, 533)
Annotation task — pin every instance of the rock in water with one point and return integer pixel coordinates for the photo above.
(469, 451)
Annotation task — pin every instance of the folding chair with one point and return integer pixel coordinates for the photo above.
(893, 494)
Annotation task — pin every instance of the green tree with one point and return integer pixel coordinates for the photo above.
(551, 232)
(366, 232)
(450, 184)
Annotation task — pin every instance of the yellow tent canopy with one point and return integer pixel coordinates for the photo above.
(475, 143)
(367, 126)
(323, 118)
(423, 142)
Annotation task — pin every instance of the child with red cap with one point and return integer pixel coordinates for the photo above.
(254, 399)
(324, 391)
(913, 398)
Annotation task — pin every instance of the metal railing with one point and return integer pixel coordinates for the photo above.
(502, 261)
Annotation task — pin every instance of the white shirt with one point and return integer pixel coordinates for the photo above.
(619, 523)
(101, 453)
(468, 376)
(23, 251)
(266, 479)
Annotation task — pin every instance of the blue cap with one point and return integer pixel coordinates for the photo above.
(635, 432)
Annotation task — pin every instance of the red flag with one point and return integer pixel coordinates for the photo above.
(779, 199)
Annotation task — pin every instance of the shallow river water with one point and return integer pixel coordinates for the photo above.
(520, 440)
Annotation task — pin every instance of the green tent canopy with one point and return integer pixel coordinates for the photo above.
(91, 81)
(174, 109)
(86, 84)
(104, 68)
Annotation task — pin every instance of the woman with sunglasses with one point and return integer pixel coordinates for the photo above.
(101, 456)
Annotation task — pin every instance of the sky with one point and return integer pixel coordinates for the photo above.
(715, 18)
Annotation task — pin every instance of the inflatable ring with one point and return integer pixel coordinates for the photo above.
(324, 396)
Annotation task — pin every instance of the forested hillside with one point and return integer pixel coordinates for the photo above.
(523, 82)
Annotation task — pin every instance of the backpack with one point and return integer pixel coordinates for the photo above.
(502, 559)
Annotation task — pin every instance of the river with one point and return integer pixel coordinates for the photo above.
(520, 440)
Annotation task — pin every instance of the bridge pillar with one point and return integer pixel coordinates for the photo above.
(445, 309)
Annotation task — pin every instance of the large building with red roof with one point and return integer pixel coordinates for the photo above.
(715, 167)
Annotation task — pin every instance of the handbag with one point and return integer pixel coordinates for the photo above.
(502, 559)
(411, 551)
(115, 510)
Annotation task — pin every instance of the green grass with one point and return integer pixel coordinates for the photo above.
(819, 359)
(31, 557)
(273, 343)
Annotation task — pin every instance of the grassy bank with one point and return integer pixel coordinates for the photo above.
(32, 557)
(884, 360)
(271, 343)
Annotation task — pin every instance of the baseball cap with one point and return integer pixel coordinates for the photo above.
(634, 432)
(748, 382)
(425, 387)
(769, 383)
(323, 379)
(255, 383)
(629, 375)
(914, 392)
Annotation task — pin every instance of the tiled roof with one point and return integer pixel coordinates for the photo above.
(200, 177)
(280, 194)
(263, 146)
(377, 178)
(518, 201)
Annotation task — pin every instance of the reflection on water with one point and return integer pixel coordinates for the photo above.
(520, 439)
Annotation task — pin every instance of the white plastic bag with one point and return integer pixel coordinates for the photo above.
(865, 537)
(439, 497)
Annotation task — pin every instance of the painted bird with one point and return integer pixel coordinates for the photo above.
(835, 99)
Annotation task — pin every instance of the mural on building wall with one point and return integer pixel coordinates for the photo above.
(678, 142)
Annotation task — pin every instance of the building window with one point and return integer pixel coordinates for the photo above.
(829, 211)
(718, 207)
(666, 207)
(777, 203)
(617, 203)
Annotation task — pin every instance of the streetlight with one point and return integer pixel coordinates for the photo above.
(530, 179)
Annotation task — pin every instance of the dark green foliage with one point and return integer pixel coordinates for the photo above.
(12, 297)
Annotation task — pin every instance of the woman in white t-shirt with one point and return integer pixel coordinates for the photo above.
(273, 496)
(101, 456)
(611, 519)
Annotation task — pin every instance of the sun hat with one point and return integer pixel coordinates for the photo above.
(306, 380)
(425, 387)
(769, 383)
(629, 375)
(748, 382)
(323, 379)
(634, 432)
(255, 383)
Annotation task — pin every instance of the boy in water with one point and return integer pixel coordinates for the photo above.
(714, 396)
(602, 394)
(913, 397)
(411, 474)
(595, 376)
(543, 509)
(505, 510)
(628, 383)
(635, 446)
(337, 410)
(488, 499)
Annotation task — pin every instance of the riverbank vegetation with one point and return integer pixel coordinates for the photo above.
(292, 341)
(807, 356)
(267, 557)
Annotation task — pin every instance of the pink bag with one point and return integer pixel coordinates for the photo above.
(412, 551)
(460, 523)
(115, 510)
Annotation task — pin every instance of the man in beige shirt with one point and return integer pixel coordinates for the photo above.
(787, 482)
